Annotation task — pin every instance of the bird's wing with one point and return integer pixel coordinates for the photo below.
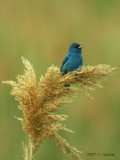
(64, 61)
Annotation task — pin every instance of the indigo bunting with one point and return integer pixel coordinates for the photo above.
(73, 60)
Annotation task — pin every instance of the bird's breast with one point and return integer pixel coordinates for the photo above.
(75, 58)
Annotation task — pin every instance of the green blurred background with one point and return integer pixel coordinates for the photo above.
(41, 31)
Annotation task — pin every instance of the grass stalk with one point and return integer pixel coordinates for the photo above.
(39, 102)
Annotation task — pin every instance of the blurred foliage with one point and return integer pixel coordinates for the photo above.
(42, 31)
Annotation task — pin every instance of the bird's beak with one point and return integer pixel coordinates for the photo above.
(80, 46)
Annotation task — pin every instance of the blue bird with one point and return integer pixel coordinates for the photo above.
(73, 60)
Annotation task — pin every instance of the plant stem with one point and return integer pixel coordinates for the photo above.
(31, 150)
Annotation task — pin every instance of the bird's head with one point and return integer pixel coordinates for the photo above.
(75, 48)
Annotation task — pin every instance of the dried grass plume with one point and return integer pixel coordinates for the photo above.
(39, 102)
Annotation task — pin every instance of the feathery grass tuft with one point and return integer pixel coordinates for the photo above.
(39, 101)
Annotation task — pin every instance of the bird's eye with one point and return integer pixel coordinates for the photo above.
(77, 46)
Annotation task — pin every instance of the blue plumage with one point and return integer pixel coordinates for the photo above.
(73, 60)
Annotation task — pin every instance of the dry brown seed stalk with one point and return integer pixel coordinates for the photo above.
(65, 147)
(40, 101)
